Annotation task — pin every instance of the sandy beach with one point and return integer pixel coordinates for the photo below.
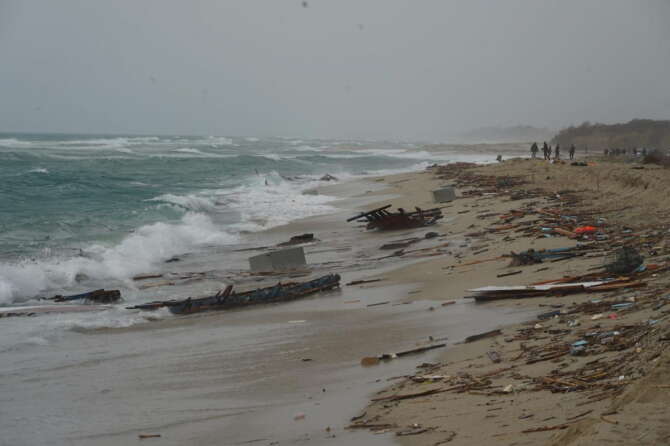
(522, 385)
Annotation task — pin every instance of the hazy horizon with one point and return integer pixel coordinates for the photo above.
(372, 70)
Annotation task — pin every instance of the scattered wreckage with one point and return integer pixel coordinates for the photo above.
(382, 219)
(227, 299)
(98, 296)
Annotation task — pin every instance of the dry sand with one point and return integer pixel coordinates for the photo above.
(625, 195)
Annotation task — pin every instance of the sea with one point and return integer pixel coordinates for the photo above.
(99, 209)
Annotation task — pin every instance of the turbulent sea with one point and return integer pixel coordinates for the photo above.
(83, 211)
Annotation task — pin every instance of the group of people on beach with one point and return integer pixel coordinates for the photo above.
(633, 151)
(547, 151)
(556, 151)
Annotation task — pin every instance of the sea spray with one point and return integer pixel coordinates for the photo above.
(140, 251)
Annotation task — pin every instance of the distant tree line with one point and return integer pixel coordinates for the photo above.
(637, 133)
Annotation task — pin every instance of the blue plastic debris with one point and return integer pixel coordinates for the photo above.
(549, 314)
(578, 347)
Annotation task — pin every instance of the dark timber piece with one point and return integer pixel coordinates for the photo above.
(366, 214)
(100, 296)
(382, 219)
(225, 300)
(487, 334)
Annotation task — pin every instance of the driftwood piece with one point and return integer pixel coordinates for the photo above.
(488, 334)
(99, 296)
(360, 282)
(407, 396)
(546, 428)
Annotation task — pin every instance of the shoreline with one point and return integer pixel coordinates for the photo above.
(293, 351)
(246, 373)
(478, 418)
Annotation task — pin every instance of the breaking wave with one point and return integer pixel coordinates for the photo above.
(39, 170)
(188, 150)
(191, 202)
(141, 251)
(219, 141)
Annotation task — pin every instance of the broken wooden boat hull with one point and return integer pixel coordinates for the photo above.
(384, 220)
(282, 292)
(100, 296)
(551, 289)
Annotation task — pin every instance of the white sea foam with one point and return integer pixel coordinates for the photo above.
(13, 142)
(398, 153)
(21, 336)
(343, 155)
(191, 202)
(93, 143)
(272, 156)
(251, 139)
(141, 251)
(219, 141)
(116, 143)
(116, 317)
(188, 150)
(269, 200)
(262, 202)
(39, 170)
(191, 153)
(306, 148)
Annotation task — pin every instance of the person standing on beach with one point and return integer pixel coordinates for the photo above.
(572, 152)
(533, 150)
(546, 150)
(558, 152)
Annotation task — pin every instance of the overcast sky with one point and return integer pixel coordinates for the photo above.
(351, 68)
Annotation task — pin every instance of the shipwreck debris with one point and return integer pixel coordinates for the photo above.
(374, 360)
(444, 194)
(361, 282)
(99, 296)
(299, 239)
(382, 219)
(626, 260)
(487, 334)
(282, 292)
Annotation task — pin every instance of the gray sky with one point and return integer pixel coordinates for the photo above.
(351, 68)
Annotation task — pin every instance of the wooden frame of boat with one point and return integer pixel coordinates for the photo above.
(225, 300)
(382, 219)
(99, 296)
